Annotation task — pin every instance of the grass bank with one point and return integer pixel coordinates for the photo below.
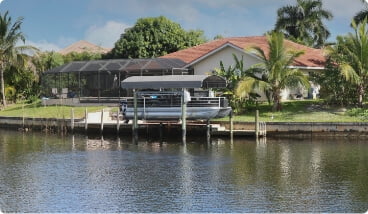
(36, 110)
(293, 111)
(301, 111)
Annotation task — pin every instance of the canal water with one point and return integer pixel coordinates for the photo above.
(49, 173)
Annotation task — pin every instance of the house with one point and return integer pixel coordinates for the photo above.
(205, 58)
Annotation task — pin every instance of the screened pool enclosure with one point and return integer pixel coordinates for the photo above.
(99, 80)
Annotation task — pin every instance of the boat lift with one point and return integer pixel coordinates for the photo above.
(179, 85)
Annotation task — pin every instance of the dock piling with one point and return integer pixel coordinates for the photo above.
(71, 121)
(257, 123)
(23, 115)
(135, 119)
(231, 123)
(85, 120)
(184, 117)
(118, 121)
(161, 135)
(102, 121)
(208, 131)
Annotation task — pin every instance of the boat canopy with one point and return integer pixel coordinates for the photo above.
(173, 81)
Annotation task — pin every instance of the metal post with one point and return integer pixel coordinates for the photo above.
(85, 120)
(144, 108)
(102, 121)
(257, 123)
(79, 85)
(161, 126)
(72, 120)
(119, 86)
(183, 118)
(231, 123)
(208, 131)
(118, 121)
(135, 119)
(23, 115)
(99, 85)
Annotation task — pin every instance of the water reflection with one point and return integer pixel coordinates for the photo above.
(47, 173)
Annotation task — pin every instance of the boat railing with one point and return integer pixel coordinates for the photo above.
(153, 101)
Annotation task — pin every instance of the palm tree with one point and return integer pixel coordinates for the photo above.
(233, 74)
(361, 15)
(274, 73)
(10, 53)
(303, 22)
(351, 55)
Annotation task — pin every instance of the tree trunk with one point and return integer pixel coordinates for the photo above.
(2, 85)
(276, 100)
(361, 94)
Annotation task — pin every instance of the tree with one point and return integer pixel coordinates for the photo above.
(274, 73)
(10, 53)
(153, 37)
(351, 55)
(233, 74)
(336, 90)
(361, 15)
(83, 56)
(303, 22)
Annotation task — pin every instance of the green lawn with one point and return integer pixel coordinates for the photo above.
(36, 110)
(299, 111)
(293, 111)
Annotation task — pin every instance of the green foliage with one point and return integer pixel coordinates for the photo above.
(35, 109)
(74, 56)
(153, 37)
(233, 74)
(10, 93)
(24, 80)
(335, 89)
(47, 60)
(218, 36)
(298, 111)
(273, 74)
(361, 15)
(350, 54)
(303, 22)
(11, 55)
(359, 113)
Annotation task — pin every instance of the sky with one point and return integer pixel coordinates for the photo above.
(55, 24)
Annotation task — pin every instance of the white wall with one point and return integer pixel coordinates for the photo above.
(210, 63)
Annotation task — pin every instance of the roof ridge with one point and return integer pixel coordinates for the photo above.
(313, 57)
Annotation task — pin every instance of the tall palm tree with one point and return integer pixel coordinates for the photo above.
(304, 22)
(361, 15)
(351, 55)
(10, 53)
(274, 73)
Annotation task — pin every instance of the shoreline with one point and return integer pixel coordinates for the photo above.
(218, 128)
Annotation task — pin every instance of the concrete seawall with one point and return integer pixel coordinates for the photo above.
(94, 126)
(279, 128)
(273, 128)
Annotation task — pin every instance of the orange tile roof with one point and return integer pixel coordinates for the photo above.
(84, 46)
(311, 58)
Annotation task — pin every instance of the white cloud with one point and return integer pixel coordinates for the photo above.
(105, 35)
(43, 45)
(229, 17)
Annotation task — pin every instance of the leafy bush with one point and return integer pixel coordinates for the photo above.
(10, 93)
(358, 112)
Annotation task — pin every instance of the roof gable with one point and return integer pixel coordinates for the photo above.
(312, 58)
(83, 46)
